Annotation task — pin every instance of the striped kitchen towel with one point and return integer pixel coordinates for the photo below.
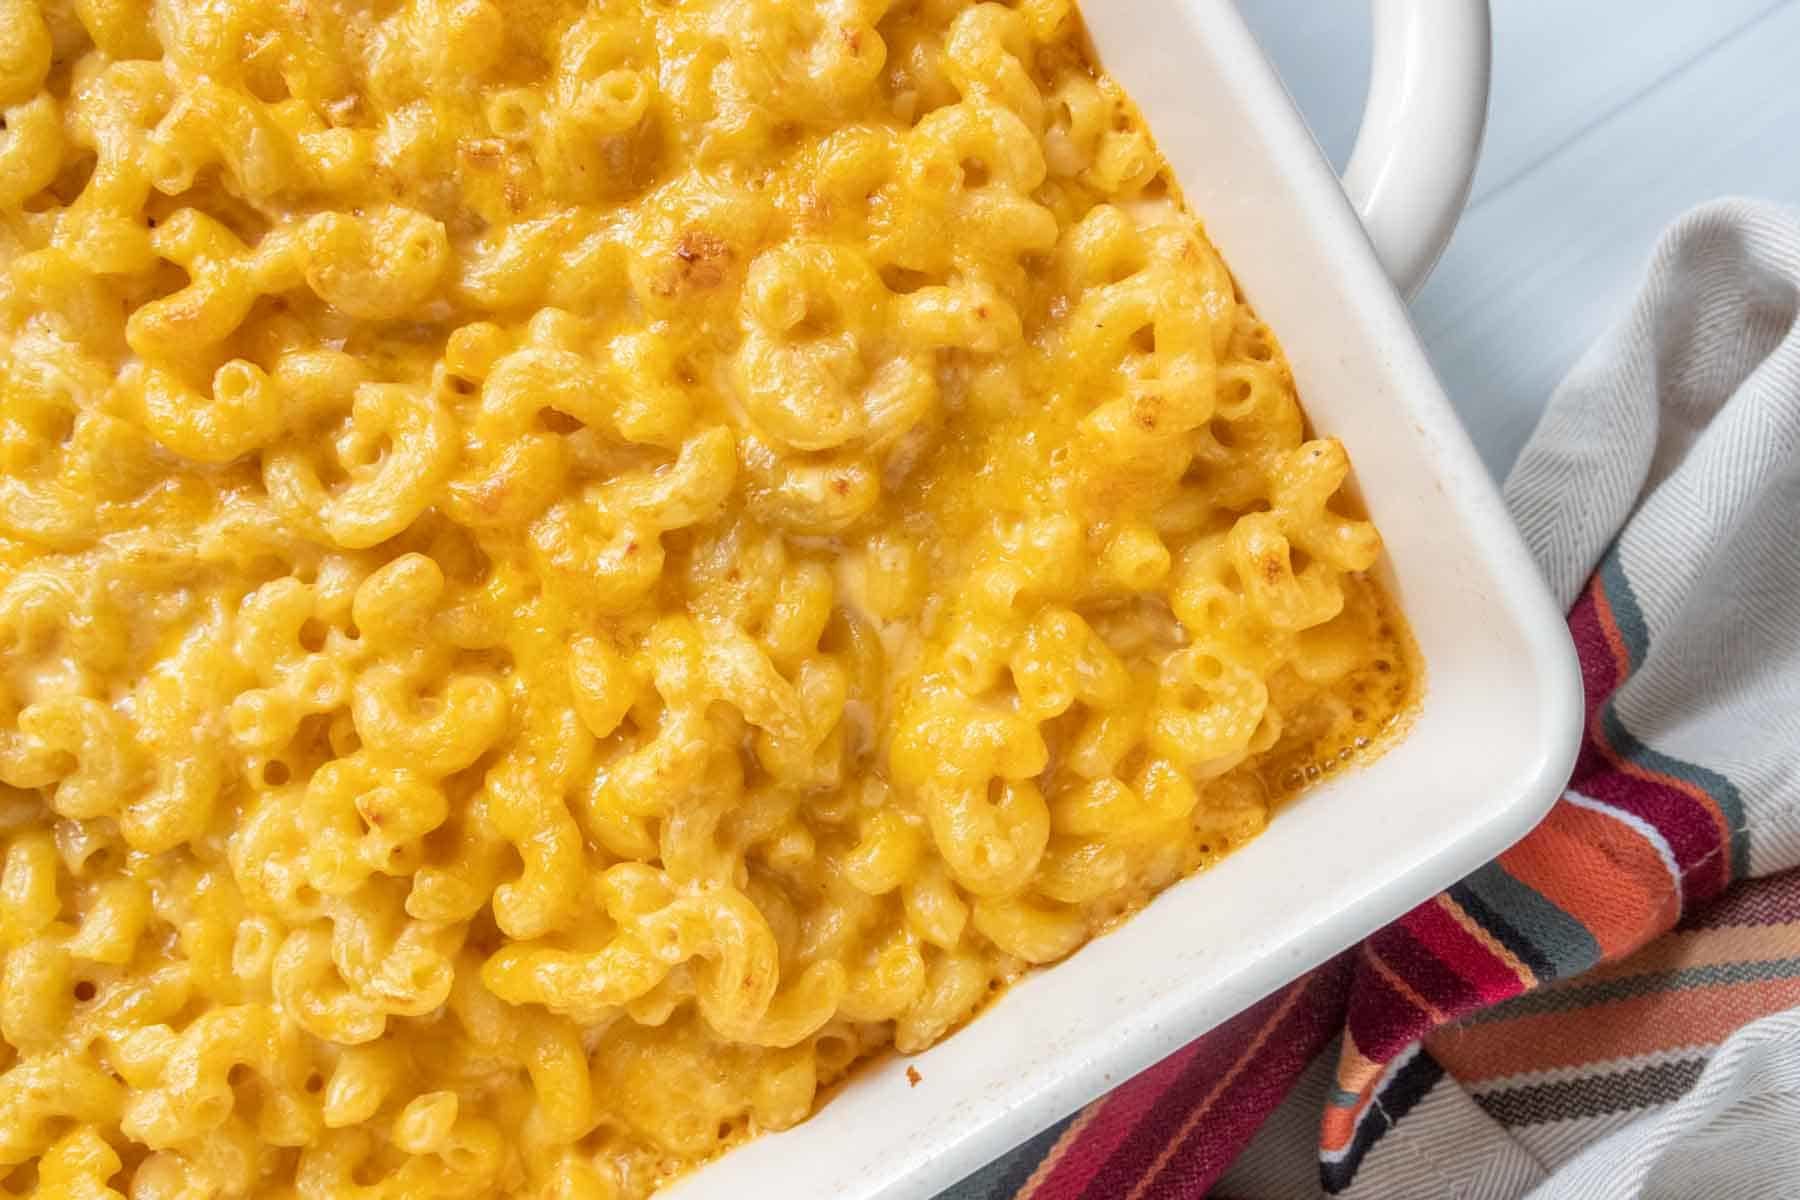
(1612, 1007)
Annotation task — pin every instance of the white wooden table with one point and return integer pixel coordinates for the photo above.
(1609, 119)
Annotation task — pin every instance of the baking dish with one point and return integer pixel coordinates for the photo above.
(1497, 730)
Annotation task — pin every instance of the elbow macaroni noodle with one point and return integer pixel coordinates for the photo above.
(568, 572)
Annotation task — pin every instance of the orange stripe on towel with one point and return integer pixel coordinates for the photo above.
(1601, 872)
(1356, 1074)
(1625, 1029)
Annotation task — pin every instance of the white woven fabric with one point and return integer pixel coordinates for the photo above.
(1735, 1134)
(1678, 438)
(1679, 435)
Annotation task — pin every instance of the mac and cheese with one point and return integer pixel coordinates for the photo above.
(568, 571)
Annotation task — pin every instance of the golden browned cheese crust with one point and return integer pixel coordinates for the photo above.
(570, 571)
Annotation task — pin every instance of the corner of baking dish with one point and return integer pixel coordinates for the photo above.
(1491, 747)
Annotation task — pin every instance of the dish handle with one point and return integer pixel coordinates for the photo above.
(1415, 154)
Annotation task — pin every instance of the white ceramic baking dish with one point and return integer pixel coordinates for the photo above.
(1497, 732)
